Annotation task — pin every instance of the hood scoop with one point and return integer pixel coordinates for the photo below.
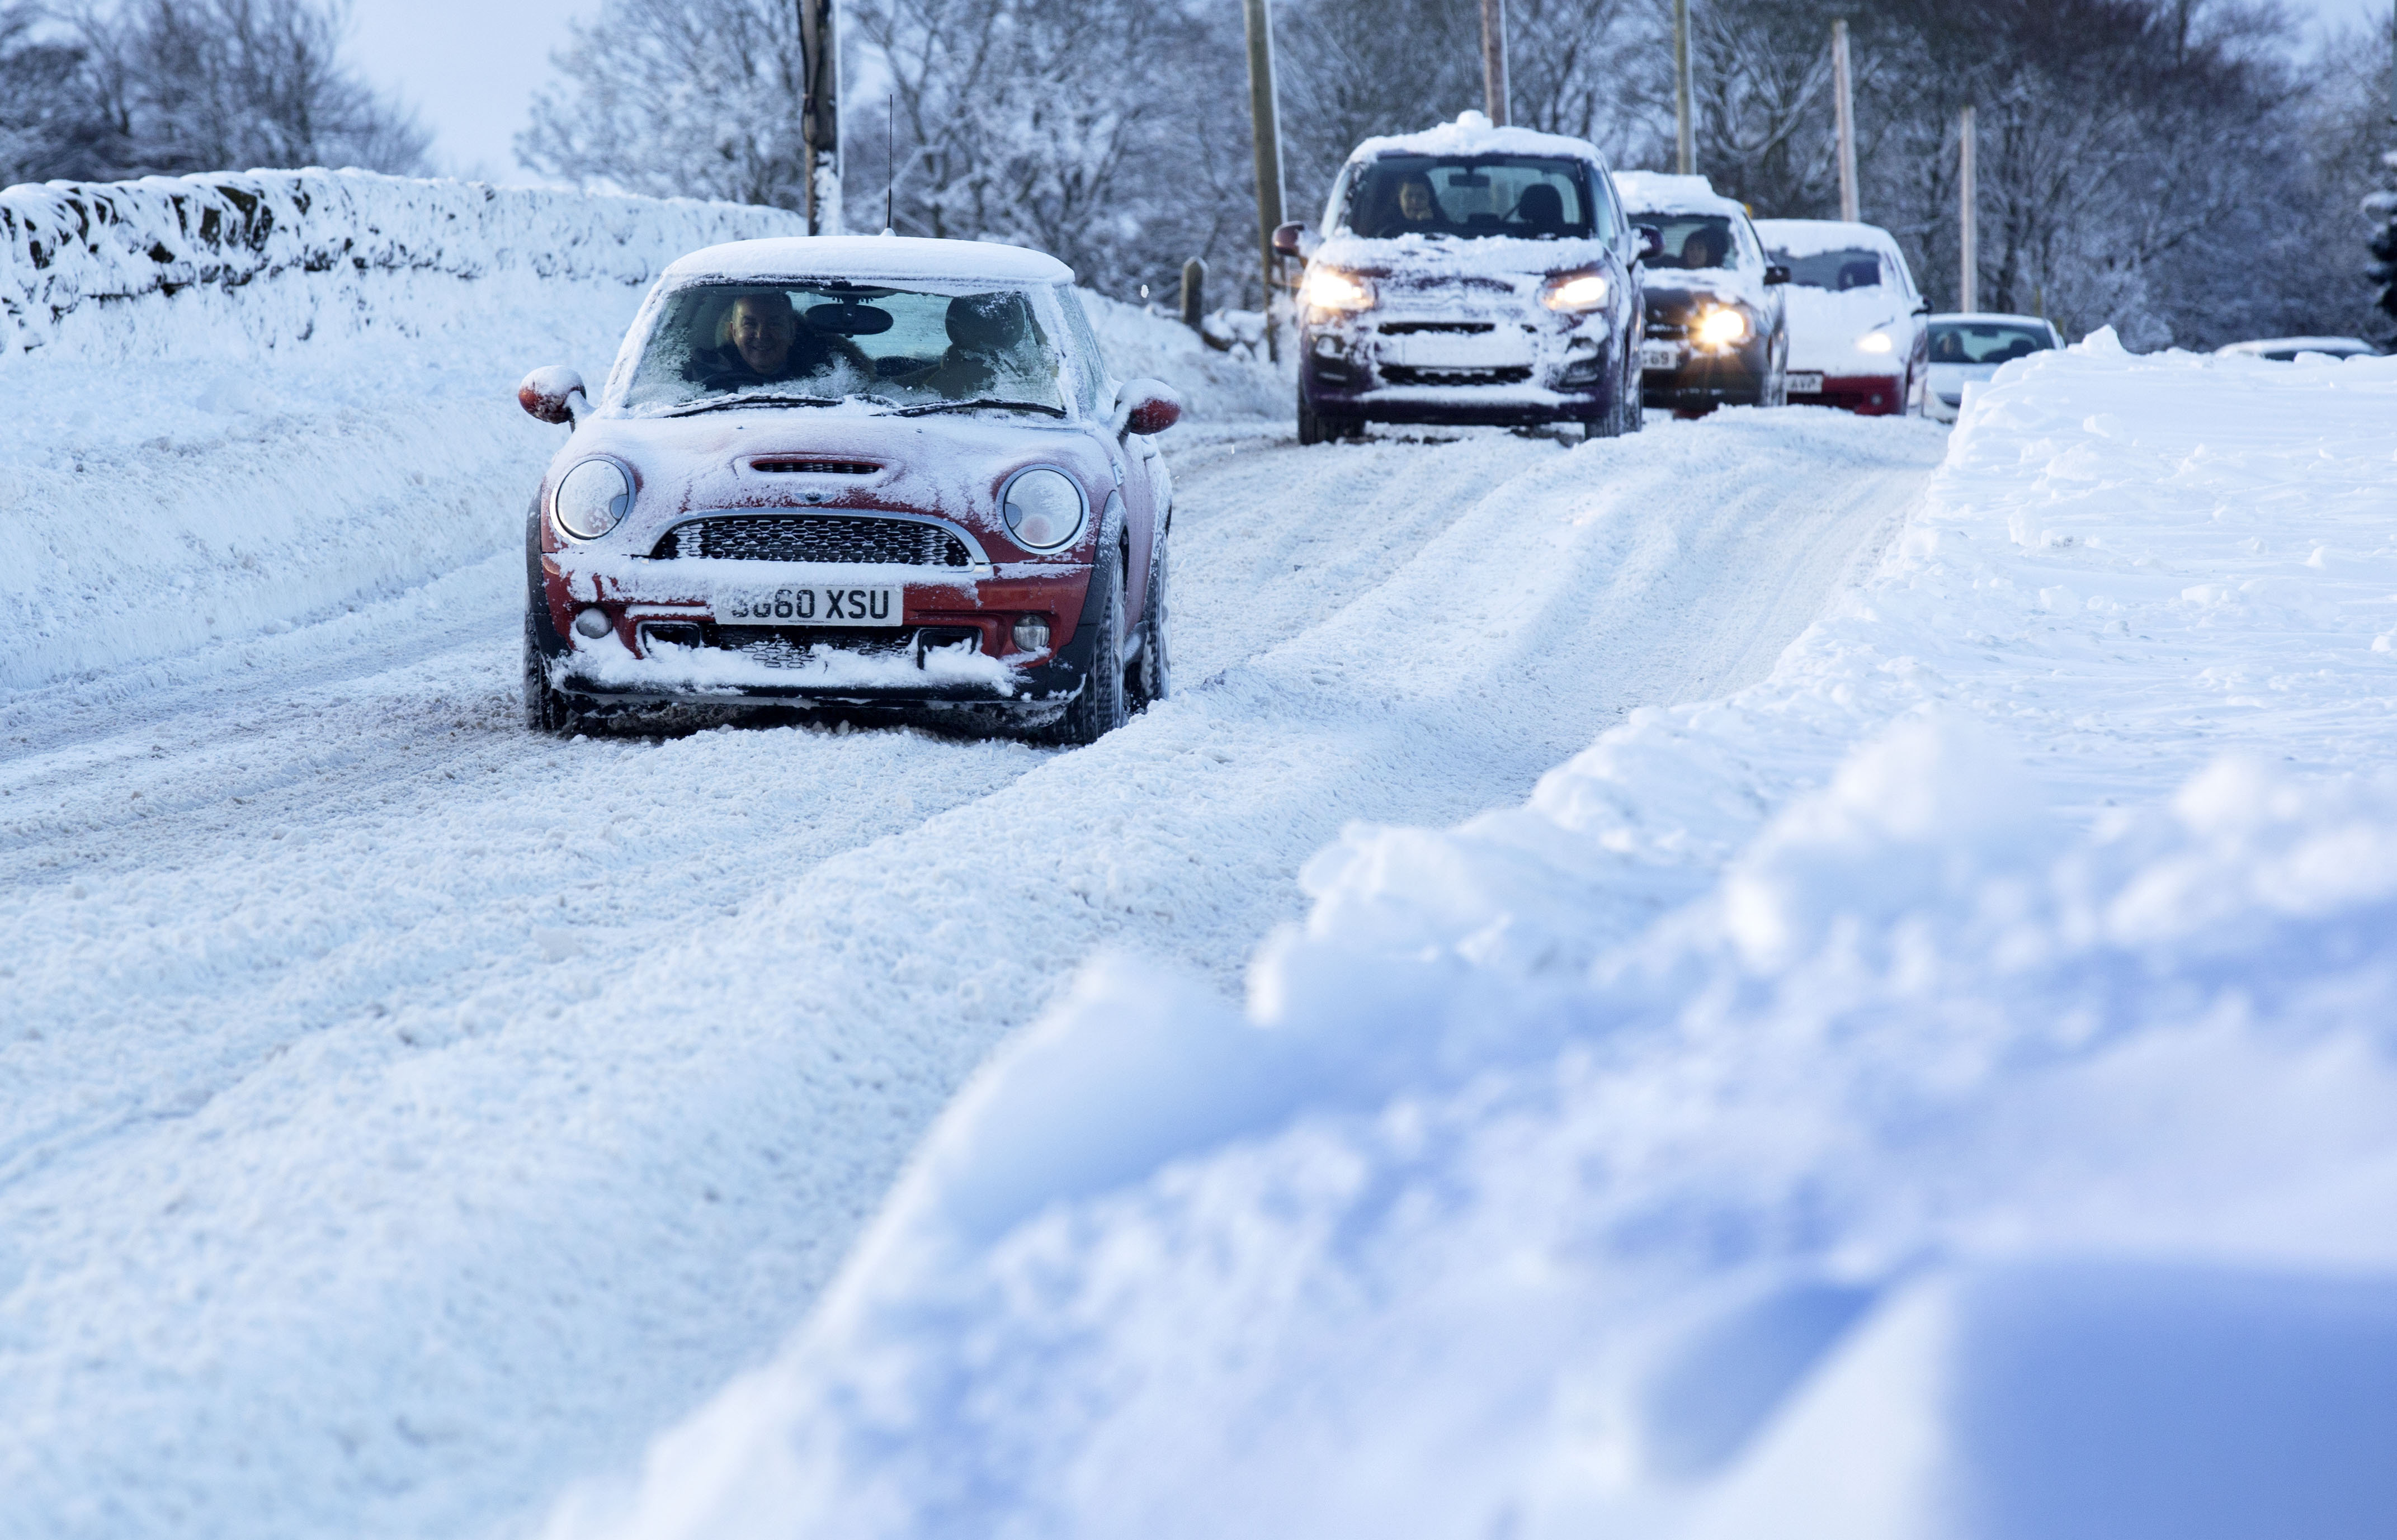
(794, 465)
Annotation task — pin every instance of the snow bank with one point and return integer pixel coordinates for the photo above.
(229, 404)
(1945, 1091)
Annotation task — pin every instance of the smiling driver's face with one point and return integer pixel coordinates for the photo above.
(762, 332)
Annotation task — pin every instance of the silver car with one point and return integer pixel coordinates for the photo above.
(1966, 348)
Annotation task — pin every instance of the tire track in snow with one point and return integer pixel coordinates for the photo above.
(492, 1123)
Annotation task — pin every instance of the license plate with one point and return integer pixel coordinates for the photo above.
(799, 604)
(1660, 356)
(1810, 383)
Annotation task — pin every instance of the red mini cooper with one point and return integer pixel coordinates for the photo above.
(870, 474)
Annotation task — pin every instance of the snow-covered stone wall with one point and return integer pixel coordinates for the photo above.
(262, 258)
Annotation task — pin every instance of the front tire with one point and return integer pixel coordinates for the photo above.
(1100, 708)
(545, 708)
(1310, 427)
(1152, 672)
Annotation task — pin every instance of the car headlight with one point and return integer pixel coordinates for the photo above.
(1875, 342)
(1329, 289)
(1044, 509)
(592, 499)
(1721, 329)
(1575, 291)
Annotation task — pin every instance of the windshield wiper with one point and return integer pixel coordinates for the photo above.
(982, 403)
(755, 398)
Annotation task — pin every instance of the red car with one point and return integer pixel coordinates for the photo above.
(869, 473)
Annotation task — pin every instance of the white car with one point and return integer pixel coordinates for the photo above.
(1857, 337)
(2284, 350)
(1967, 348)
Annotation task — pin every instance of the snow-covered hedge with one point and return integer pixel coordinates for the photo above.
(261, 259)
(1946, 1090)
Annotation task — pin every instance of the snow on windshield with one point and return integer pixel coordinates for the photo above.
(1838, 271)
(1534, 198)
(828, 341)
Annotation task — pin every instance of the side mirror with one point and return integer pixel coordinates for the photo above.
(1651, 242)
(1776, 274)
(1295, 239)
(1924, 308)
(554, 395)
(1148, 407)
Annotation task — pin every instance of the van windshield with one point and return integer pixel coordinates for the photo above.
(1529, 198)
(821, 341)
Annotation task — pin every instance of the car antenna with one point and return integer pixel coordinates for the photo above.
(888, 174)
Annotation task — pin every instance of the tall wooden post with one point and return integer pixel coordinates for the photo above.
(1264, 122)
(820, 113)
(1968, 216)
(1685, 129)
(1493, 59)
(1847, 102)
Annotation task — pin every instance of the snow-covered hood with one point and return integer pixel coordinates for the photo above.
(1428, 261)
(1823, 327)
(949, 466)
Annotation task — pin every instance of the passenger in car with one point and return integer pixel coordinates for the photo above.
(1542, 208)
(986, 331)
(765, 343)
(1702, 248)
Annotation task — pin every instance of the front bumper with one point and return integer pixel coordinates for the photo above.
(1866, 394)
(953, 651)
(1704, 377)
(1486, 368)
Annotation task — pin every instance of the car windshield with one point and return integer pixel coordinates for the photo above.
(923, 346)
(1837, 270)
(1536, 197)
(1692, 241)
(1985, 341)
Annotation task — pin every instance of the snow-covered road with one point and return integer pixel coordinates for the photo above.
(407, 1114)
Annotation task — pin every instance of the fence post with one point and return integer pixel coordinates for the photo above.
(1194, 292)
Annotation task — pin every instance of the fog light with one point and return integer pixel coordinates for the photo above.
(1032, 635)
(591, 623)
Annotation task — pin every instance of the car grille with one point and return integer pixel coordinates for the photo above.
(815, 537)
(1401, 375)
(1452, 328)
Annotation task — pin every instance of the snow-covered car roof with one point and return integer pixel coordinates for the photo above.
(2302, 344)
(1993, 317)
(1806, 237)
(1662, 193)
(870, 257)
(1472, 134)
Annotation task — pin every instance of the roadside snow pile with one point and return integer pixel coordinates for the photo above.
(1945, 1091)
(1214, 386)
(229, 404)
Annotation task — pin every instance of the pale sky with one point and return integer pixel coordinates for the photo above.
(470, 67)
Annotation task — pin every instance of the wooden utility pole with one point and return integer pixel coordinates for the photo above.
(1264, 123)
(1968, 218)
(1685, 130)
(820, 114)
(1847, 120)
(1493, 59)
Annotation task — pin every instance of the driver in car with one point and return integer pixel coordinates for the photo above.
(1417, 211)
(765, 345)
(1702, 250)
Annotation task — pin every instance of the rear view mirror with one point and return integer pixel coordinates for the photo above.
(1148, 407)
(554, 395)
(1651, 242)
(848, 320)
(1776, 274)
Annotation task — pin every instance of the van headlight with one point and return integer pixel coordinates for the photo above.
(1331, 288)
(592, 499)
(1043, 508)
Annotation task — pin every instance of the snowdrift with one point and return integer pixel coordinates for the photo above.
(234, 402)
(1944, 1092)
